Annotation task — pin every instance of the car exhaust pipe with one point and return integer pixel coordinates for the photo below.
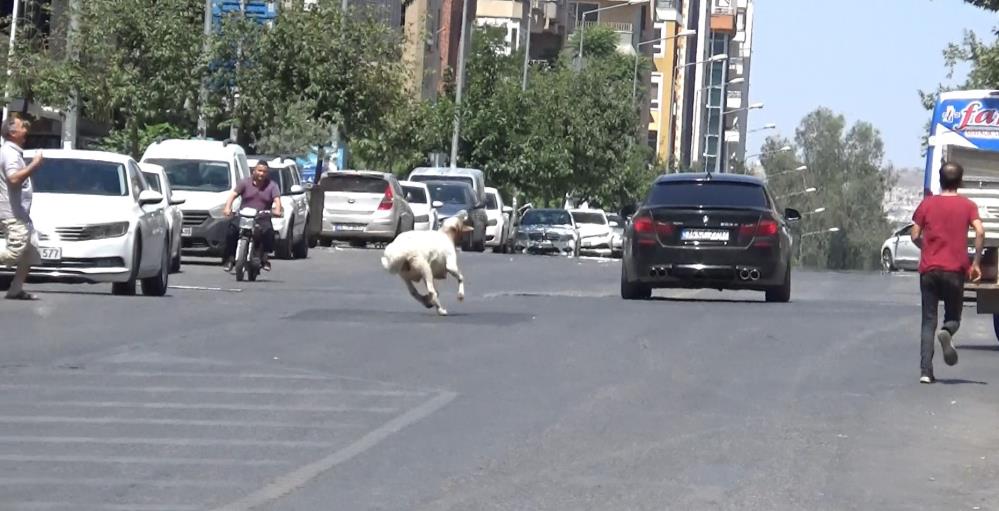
(662, 271)
(652, 272)
(744, 274)
(754, 274)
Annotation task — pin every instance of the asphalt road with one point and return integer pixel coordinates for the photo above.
(326, 387)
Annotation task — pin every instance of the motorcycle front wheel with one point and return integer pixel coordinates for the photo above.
(242, 250)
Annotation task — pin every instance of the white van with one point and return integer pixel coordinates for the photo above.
(202, 172)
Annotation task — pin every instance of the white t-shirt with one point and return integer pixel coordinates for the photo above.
(15, 202)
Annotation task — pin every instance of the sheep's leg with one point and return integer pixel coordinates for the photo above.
(428, 278)
(452, 269)
(422, 298)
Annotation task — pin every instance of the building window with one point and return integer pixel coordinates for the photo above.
(659, 47)
(655, 91)
(580, 8)
(514, 40)
(653, 139)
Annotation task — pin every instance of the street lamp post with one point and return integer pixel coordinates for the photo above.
(462, 42)
(638, 53)
(10, 53)
(810, 189)
(765, 127)
(813, 212)
(813, 233)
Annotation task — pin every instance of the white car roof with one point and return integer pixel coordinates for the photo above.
(152, 167)
(414, 184)
(192, 149)
(492, 190)
(80, 154)
(580, 210)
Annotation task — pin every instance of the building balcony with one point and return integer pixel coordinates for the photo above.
(668, 10)
(625, 32)
(723, 16)
(733, 99)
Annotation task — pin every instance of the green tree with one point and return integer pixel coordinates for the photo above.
(992, 5)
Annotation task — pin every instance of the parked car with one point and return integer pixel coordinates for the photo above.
(157, 179)
(898, 252)
(547, 230)
(358, 206)
(476, 213)
(455, 196)
(202, 172)
(424, 209)
(617, 233)
(291, 236)
(98, 221)
(719, 231)
(594, 231)
(499, 229)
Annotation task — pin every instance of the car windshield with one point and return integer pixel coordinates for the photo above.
(588, 218)
(615, 218)
(707, 194)
(449, 194)
(431, 177)
(415, 194)
(81, 177)
(281, 178)
(353, 184)
(154, 181)
(196, 175)
(546, 217)
(491, 202)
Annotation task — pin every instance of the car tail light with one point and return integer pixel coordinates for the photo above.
(761, 229)
(386, 202)
(647, 229)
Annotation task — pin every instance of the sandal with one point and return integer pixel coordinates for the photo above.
(22, 296)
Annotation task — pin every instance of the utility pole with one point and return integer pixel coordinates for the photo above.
(234, 127)
(203, 100)
(10, 54)
(462, 42)
(72, 114)
(527, 39)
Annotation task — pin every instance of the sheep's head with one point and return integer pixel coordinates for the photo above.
(456, 226)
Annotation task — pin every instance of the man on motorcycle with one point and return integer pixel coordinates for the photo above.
(260, 193)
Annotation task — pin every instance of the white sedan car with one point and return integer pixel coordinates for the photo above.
(899, 252)
(158, 180)
(595, 231)
(499, 230)
(424, 211)
(97, 221)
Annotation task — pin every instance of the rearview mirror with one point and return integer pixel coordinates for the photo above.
(437, 204)
(177, 202)
(792, 215)
(297, 190)
(147, 197)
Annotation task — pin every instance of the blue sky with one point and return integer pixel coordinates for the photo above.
(865, 59)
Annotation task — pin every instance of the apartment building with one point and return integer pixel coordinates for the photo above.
(713, 100)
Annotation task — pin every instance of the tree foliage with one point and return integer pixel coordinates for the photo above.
(847, 167)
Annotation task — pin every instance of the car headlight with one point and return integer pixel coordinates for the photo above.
(103, 231)
(216, 212)
(565, 237)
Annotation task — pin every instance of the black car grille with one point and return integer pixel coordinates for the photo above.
(73, 234)
(195, 218)
(85, 262)
(536, 236)
(553, 236)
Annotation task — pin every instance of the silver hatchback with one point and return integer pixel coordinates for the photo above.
(361, 206)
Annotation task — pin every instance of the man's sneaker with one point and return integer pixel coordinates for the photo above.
(946, 343)
(927, 379)
(227, 265)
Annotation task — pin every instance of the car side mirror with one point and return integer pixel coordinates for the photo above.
(507, 209)
(297, 190)
(613, 224)
(792, 215)
(147, 197)
(437, 204)
(309, 185)
(177, 202)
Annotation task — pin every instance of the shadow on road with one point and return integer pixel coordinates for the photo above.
(957, 381)
(425, 316)
(979, 347)
(702, 300)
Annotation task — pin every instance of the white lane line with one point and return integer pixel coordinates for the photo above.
(102, 482)
(203, 288)
(47, 419)
(158, 374)
(205, 390)
(137, 460)
(289, 482)
(76, 506)
(201, 406)
(168, 442)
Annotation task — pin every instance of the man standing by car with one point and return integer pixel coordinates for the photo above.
(15, 204)
(260, 193)
(941, 233)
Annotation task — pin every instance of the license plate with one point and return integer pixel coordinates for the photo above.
(348, 227)
(185, 231)
(50, 253)
(703, 235)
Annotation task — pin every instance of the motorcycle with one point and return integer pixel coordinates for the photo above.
(249, 248)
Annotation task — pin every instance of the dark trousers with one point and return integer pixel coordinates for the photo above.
(936, 286)
(232, 239)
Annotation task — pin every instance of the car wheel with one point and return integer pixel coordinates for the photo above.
(781, 293)
(480, 244)
(157, 285)
(995, 322)
(326, 242)
(128, 288)
(283, 249)
(633, 290)
(175, 264)
(313, 243)
(887, 262)
(301, 249)
(5, 282)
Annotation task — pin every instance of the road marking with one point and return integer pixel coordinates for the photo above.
(204, 288)
(138, 460)
(158, 374)
(46, 419)
(298, 478)
(75, 506)
(171, 442)
(159, 405)
(209, 390)
(58, 482)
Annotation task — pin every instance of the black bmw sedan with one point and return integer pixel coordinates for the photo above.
(717, 231)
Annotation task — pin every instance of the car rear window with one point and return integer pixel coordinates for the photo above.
(491, 201)
(354, 184)
(707, 194)
(415, 195)
(588, 218)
